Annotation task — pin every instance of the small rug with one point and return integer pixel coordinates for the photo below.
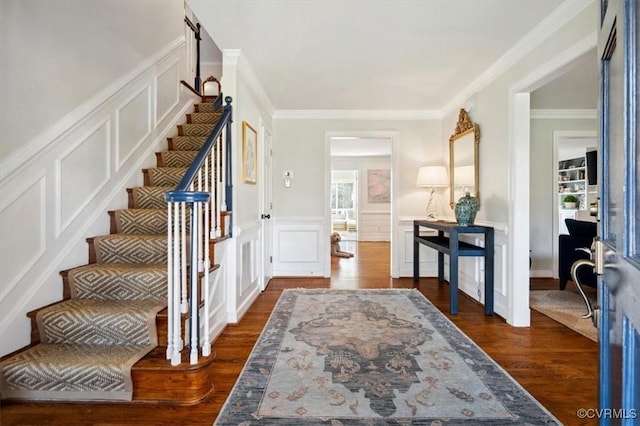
(566, 307)
(371, 357)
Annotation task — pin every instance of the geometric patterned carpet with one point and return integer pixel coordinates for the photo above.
(88, 343)
(371, 357)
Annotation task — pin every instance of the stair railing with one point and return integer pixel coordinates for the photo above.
(196, 33)
(195, 204)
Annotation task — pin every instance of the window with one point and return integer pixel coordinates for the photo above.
(341, 196)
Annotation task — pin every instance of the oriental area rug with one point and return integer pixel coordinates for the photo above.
(371, 357)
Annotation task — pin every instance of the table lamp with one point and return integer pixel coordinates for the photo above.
(432, 177)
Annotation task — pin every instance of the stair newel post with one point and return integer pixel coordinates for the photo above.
(228, 165)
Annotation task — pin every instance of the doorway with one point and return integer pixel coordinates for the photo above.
(365, 159)
(344, 203)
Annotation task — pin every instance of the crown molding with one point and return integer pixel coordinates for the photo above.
(545, 29)
(564, 114)
(356, 114)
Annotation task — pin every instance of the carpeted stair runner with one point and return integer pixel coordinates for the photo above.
(86, 345)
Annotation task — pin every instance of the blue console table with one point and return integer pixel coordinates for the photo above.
(452, 246)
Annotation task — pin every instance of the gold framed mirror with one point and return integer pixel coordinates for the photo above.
(464, 159)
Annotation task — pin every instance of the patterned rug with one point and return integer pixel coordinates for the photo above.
(371, 357)
(566, 307)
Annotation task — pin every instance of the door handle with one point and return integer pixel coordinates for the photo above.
(265, 216)
(574, 275)
(597, 262)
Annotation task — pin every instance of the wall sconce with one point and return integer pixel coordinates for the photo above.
(432, 177)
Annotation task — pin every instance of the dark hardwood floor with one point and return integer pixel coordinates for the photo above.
(556, 365)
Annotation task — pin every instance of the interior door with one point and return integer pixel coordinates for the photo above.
(617, 255)
(266, 263)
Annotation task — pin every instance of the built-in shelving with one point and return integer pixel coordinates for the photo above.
(572, 175)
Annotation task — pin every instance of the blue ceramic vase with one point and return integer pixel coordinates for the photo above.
(466, 210)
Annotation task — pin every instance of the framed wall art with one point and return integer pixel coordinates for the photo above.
(249, 153)
(379, 186)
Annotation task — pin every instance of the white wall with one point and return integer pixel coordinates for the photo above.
(543, 188)
(300, 145)
(250, 105)
(95, 96)
(494, 111)
(57, 54)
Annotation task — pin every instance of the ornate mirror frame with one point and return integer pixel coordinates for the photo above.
(463, 152)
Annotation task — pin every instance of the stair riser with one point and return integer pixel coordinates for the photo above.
(195, 129)
(121, 251)
(144, 223)
(93, 322)
(147, 197)
(186, 143)
(175, 158)
(203, 118)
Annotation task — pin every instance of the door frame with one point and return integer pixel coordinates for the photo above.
(265, 266)
(394, 137)
(519, 146)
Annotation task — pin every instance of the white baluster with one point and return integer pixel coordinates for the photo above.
(170, 301)
(175, 323)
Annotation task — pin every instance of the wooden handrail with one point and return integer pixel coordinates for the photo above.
(190, 87)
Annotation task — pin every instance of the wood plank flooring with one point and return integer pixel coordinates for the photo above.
(556, 365)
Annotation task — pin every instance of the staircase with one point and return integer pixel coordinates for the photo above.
(107, 338)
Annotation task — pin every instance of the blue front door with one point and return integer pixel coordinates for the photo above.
(617, 254)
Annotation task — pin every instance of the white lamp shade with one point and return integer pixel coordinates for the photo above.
(463, 176)
(432, 177)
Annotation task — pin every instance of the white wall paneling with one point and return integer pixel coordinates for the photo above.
(55, 198)
(298, 246)
(374, 226)
(245, 286)
(218, 289)
(167, 94)
(16, 260)
(81, 172)
(133, 124)
(428, 256)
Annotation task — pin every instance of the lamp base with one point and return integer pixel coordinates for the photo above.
(431, 217)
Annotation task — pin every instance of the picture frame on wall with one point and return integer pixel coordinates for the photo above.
(379, 186)
(249, 154)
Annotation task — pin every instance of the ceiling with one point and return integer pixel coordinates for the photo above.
(371, 55)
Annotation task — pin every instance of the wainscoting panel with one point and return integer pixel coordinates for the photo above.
(22, 220)
(218, 286)
(374, 226)
(428, 256)
(81, 172)
(299, 246)
(167, 93)
(133, 124)
(246, 286)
